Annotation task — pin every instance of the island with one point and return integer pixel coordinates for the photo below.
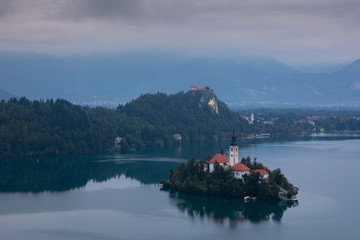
(220, 176)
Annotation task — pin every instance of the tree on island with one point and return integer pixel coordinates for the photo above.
(194, 177)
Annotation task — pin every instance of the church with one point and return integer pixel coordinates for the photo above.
(239, 169)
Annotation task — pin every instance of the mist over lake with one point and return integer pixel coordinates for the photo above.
(112, 196)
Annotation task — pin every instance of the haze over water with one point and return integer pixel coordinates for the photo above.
(114, 197)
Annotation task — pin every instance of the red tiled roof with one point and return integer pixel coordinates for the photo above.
(240, 167)
(261, 171)
(219, 158)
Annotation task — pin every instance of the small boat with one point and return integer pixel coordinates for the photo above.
(248, 198)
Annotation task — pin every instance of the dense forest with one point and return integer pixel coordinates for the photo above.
(186, 113)
(34, 128)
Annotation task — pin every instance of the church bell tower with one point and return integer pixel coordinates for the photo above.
(233, 151)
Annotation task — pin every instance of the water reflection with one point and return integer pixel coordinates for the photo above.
(229, 211)
(148, 166)
(71, 172)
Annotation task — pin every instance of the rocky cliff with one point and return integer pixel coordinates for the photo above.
(205, 97)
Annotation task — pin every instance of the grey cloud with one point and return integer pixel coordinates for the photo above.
(325, 8)
(222, 13)
(99, 9)
(314, 28)
(7, 7)
(181, 10)
(133, 10)
(329, 6)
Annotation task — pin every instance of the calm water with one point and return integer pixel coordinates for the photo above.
(114, 197)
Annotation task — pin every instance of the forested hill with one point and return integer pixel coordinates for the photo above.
(33, 128)
(196, 114)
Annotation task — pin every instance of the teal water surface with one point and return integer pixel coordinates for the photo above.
(115, 196)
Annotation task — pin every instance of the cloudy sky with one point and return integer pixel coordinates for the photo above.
(293, 31)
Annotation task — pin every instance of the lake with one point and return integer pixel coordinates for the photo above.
(115, 196)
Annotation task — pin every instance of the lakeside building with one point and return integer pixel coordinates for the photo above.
(220, 159)
(117, 142)
(240, 170)
(263, 173)
(250, 119)
(177, 137)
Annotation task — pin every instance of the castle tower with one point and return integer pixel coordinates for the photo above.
(233, 151)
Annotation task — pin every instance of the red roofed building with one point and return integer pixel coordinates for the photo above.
(193, 87)
(219, 158)
(263, 173)
(240, 167)
(240, 170)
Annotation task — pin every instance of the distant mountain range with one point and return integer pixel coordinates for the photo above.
(113, 79)
(4, 95)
